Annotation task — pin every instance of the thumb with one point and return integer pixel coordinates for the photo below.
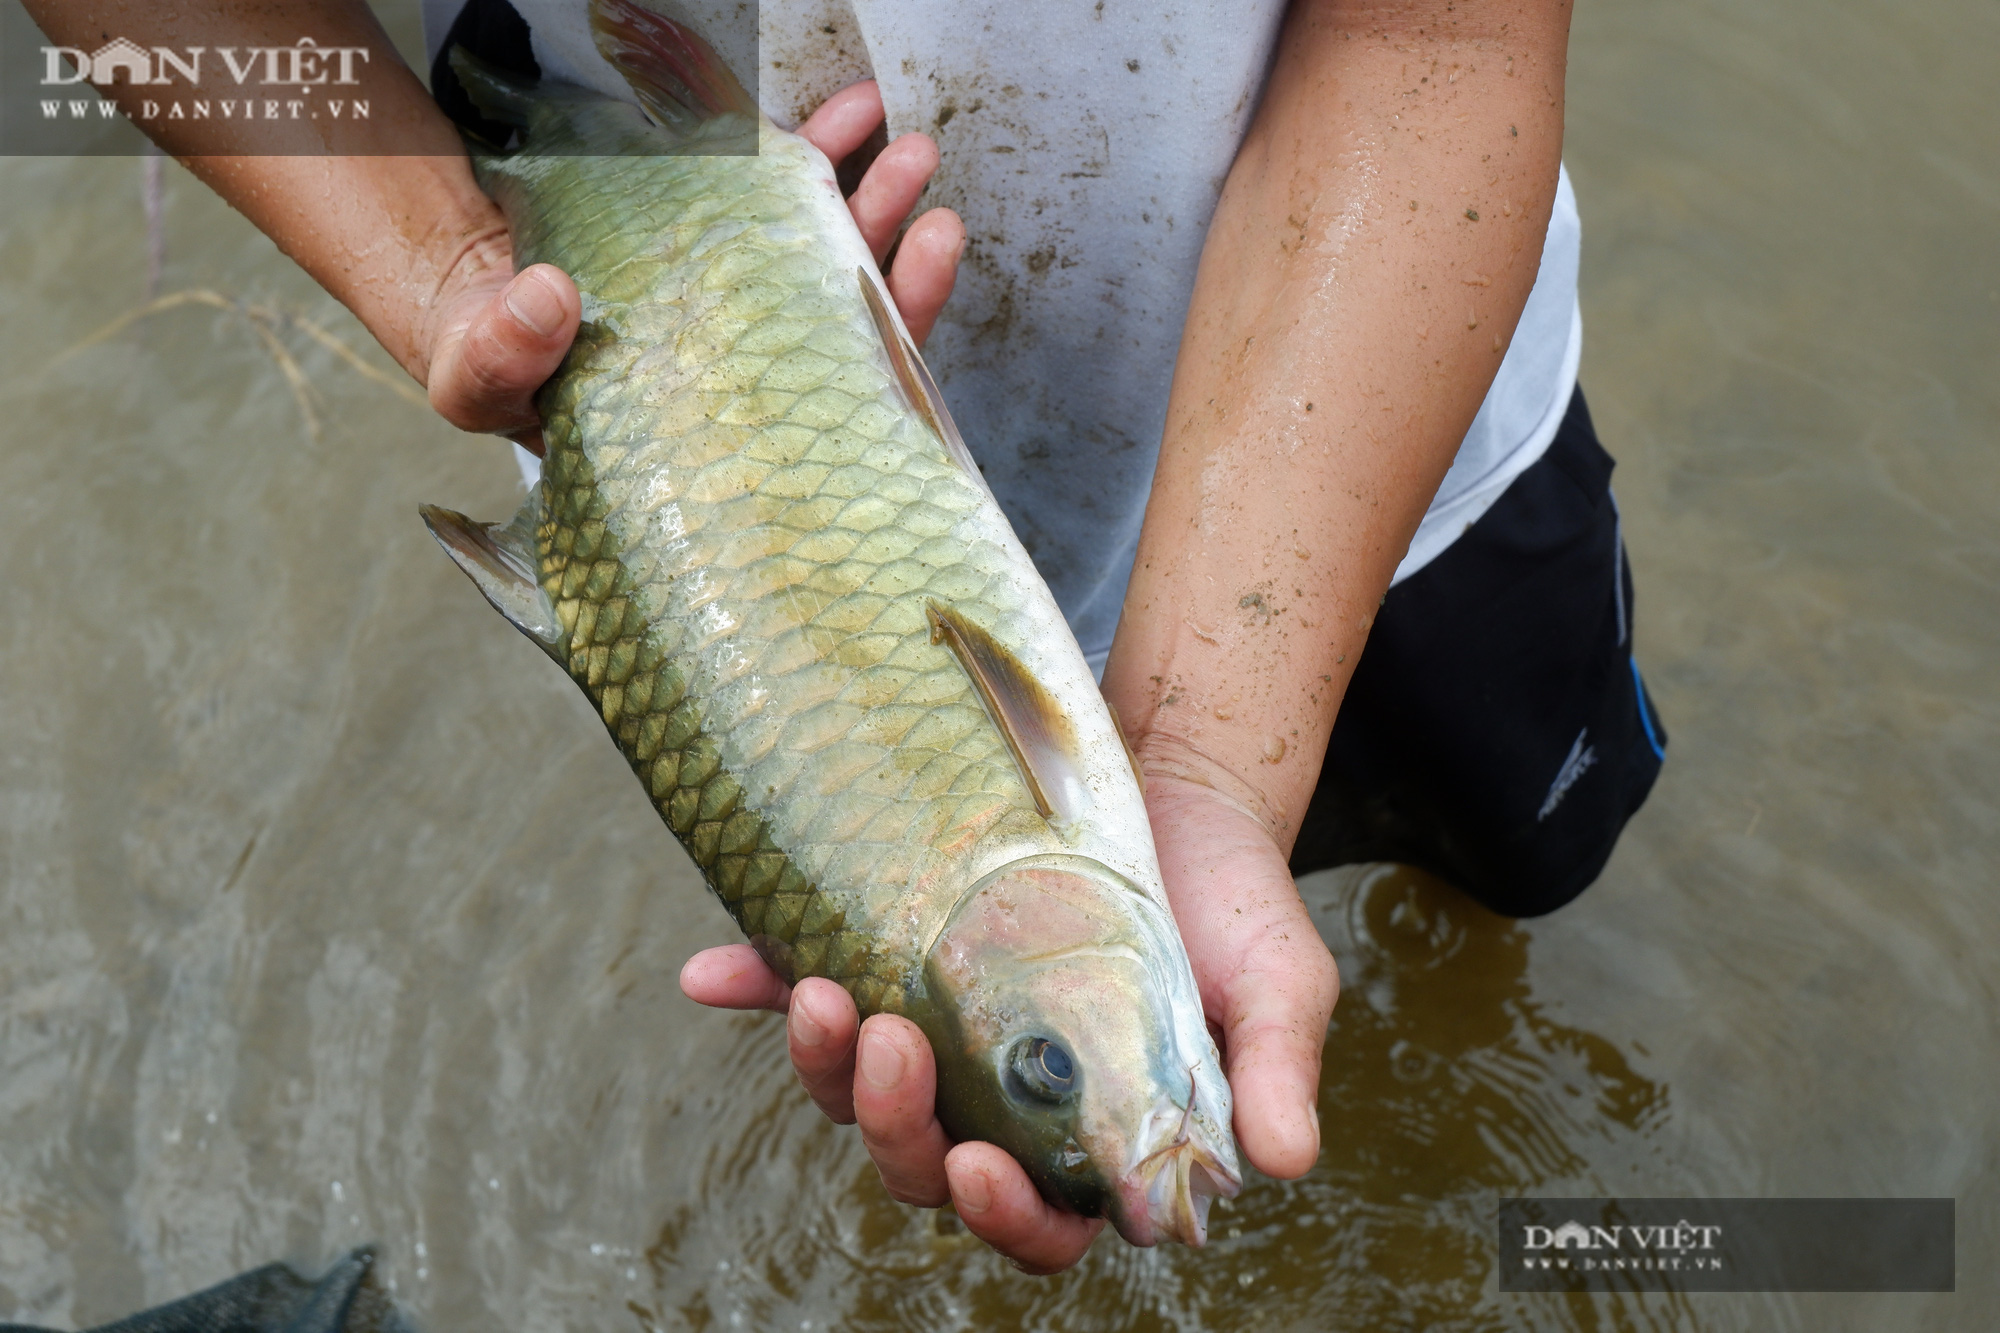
(499, 345)
(1274, 1014)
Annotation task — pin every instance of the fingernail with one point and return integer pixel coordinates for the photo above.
(529, 300)
(881, 1063)
(806, 1030)
(974, 1192)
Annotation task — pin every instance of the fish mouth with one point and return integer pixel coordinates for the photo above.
(1167, 1193)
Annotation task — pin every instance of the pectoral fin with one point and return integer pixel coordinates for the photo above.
(501, 561)
(1037, 730)
(915, 378)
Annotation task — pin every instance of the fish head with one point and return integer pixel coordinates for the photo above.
(1068, 1030)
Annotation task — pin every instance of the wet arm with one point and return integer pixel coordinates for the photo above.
(1374, 245)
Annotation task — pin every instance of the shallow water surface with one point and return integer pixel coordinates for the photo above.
(328, 915)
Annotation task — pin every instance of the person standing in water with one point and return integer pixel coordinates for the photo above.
(1266, 339)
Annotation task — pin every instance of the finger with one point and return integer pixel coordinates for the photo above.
(1275, 1013)
(733, 977)
(890, 189)
(821, 1032)
(484, 373)
(1000, 1205)
(844, 121)
(895, 1095)
(926, 268)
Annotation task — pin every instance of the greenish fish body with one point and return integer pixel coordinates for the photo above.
(760, 549)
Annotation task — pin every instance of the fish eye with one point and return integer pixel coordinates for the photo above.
(1044, 1069)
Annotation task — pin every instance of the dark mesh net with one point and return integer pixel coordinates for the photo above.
(271, 1299)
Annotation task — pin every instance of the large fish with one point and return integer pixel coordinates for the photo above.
(762, 549)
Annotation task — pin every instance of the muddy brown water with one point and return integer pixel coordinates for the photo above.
(328, 915)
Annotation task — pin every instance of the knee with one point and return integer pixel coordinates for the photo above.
(1534, 869)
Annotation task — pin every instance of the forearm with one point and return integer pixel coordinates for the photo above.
(379, 211)
(1373, 248)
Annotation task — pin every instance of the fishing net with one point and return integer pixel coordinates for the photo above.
(271, 1299)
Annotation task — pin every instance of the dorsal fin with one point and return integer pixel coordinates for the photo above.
(501, 562)
(1036, 728)
(675, 73)
(915, 378)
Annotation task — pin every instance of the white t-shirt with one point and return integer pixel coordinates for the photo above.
(1085, 147)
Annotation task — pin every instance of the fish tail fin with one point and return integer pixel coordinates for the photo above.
(676, 74)
(495, 93)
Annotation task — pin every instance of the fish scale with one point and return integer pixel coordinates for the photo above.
(742, 562)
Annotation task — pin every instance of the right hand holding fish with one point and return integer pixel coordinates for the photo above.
(495, 335)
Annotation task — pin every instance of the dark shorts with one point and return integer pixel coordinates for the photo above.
(1496, 732)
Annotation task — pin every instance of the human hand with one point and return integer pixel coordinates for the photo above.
(882, 1075)
(1267, 984)
(495, 335)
